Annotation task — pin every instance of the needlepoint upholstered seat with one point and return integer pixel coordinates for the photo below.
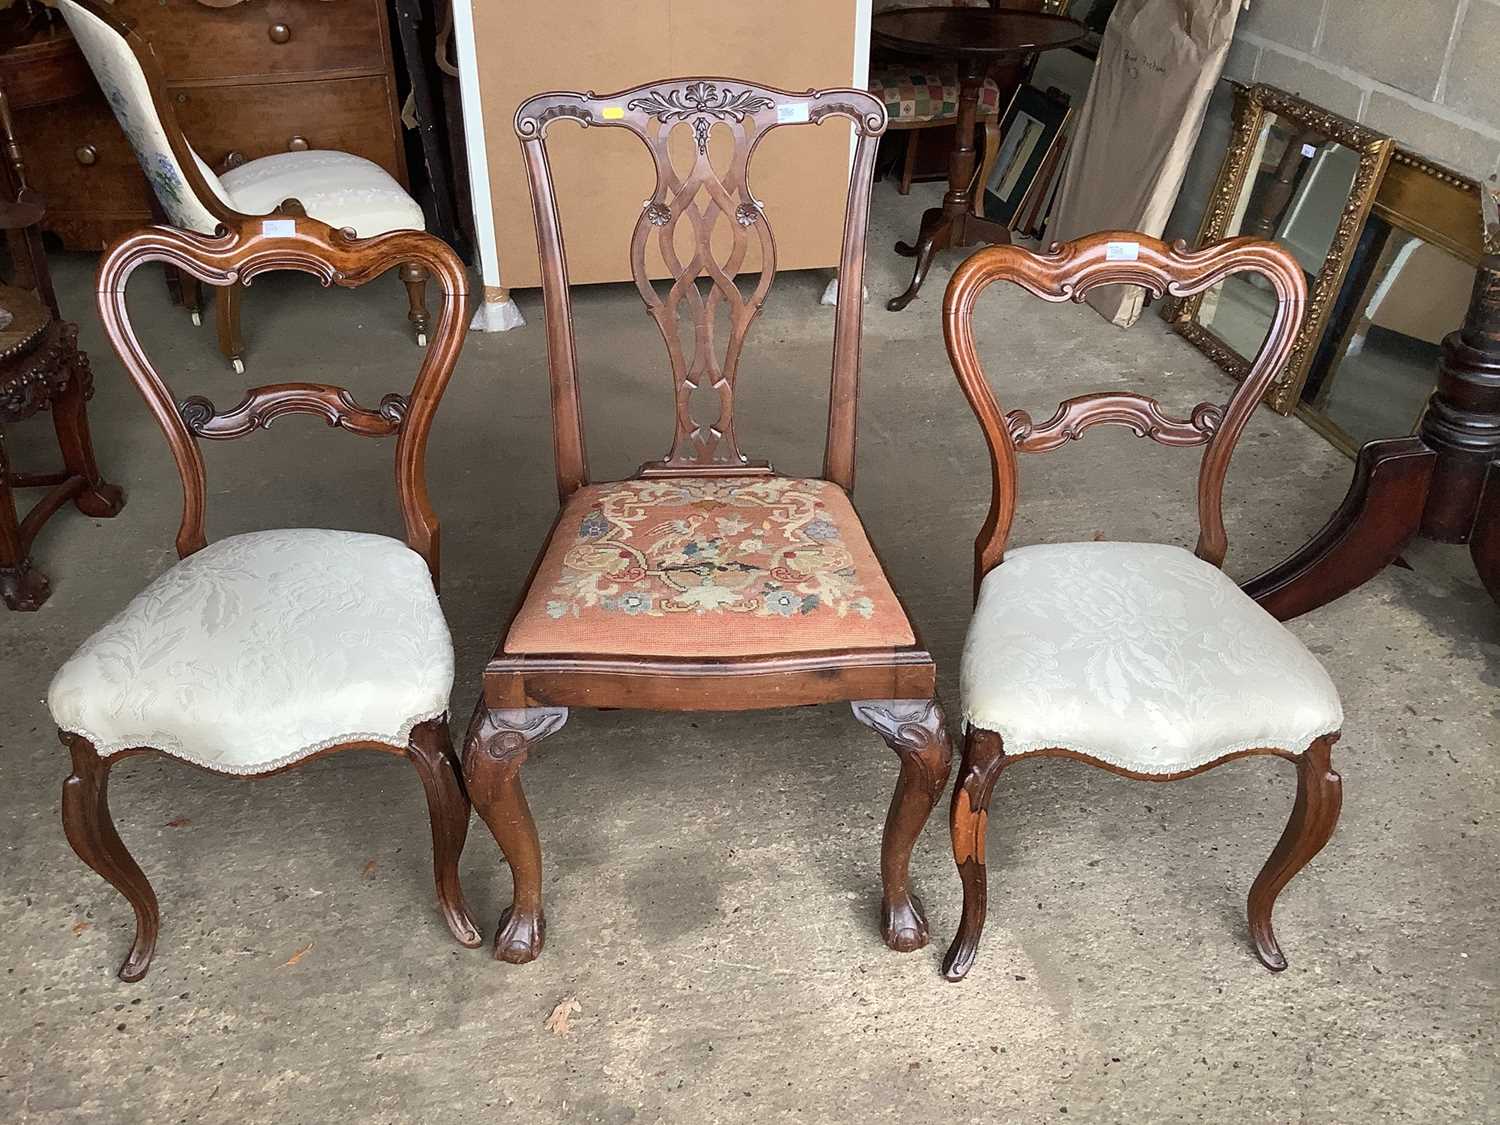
(701, 566)
(262, 651)
(707, 582)
(336, 188)
(1144, 659)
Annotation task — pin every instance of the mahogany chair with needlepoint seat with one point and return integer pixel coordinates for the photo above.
(260, 652)
(337, 188)
(707, 582)
(1144, 659)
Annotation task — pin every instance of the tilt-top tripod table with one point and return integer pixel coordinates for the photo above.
(976, 39)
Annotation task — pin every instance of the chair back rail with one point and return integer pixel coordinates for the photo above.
(703, 197)
(241, 254)
(1067, 272)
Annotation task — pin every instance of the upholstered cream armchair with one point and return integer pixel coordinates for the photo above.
(337, 188)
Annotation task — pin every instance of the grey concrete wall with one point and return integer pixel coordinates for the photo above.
(1427, 72)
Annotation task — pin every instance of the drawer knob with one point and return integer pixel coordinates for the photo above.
(279, 33)
(297, 144)
(86, 154)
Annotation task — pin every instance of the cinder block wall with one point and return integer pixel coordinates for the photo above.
(1426, 72)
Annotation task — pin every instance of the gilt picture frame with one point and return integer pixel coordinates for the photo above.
(1255, 108)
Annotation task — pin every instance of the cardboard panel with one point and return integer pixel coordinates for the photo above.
(604, 175)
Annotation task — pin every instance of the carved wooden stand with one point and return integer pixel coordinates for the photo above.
(1442, 484)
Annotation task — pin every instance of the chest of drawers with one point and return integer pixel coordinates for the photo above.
(247, 78)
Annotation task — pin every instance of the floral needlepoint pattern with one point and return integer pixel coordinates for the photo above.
(693, 565)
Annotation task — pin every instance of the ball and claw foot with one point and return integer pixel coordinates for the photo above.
(960, 956)
(24, 587)
(520, 937)
(904, 927)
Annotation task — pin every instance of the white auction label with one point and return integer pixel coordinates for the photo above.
(1309, 150)
(1122, 251)
(790, 114)
(279, 228)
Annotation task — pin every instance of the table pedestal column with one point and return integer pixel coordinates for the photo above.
(954, 223)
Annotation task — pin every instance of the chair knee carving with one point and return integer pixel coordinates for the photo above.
(1143, 659)
(260, 652)
(707, 581)
(336, 188)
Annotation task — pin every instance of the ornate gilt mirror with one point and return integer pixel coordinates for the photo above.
(1305, 179)
(1407, 287)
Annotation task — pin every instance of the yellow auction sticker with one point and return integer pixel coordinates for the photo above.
(613, 113)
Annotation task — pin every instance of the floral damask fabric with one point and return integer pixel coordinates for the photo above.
(1139, 654)
(124, 84)
(695, 566)
(262, 649)
(338, 188)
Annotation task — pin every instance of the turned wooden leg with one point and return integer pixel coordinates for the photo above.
(22, 586)
(1314, 815)
(991, 126)
(984, 759)
(1484, 539)
(431, 751)
(914, 729)
(908, 162)
(227, 318)
(91, 831)
(192, 297)
(494, 750)
(70, 419)
(414, 277)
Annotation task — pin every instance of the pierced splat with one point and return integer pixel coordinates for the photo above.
(708, 228)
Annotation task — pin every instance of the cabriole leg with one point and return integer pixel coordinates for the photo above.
(431, 751)
(984, 759)
(91, 831)
(914, 729)
(497, 744)
(1314, 816)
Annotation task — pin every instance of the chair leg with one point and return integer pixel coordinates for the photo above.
(497, 744)
(70, 419)
(227, 318)
(1314, 816)
(915, 730)
(431, 752)
(192, 297)
(414, 277)
(984, 759)
(22, 586)
(91, 831)
(908, 162)
(987, 166)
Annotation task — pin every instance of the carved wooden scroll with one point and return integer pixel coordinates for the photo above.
(1067, 272)
(263, 405)
(704, 200)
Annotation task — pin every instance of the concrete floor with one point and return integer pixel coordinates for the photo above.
(711, 881)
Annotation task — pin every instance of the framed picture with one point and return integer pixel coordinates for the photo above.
(1029, 140)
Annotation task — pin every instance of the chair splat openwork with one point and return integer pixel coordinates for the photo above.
(1144, 659)
(707, 581)
(259, 652)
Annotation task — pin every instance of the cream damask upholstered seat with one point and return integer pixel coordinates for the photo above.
(337, 188)
(263, 649)
(1138, 654)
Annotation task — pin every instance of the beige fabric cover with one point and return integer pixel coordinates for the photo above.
(1158, 62)
(337, 188)
(1138, 654)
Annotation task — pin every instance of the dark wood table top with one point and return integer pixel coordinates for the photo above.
(973, 32)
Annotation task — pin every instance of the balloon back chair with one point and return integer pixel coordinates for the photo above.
(1144, 659)
(260, 652)
(707, 582)
(337, 188)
